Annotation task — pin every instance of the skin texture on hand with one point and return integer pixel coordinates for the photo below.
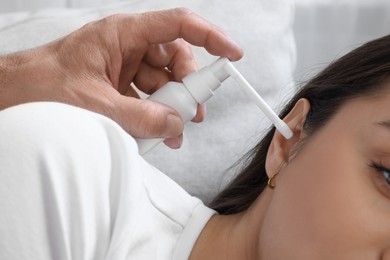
(96, 66)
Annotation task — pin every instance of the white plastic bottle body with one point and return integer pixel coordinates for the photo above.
(177, 96)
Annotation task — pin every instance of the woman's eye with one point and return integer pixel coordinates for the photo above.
(386, 174)
(382, 170)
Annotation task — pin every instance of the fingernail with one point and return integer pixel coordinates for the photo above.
(174, 126)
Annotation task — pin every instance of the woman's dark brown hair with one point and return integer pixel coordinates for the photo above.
(361, 72)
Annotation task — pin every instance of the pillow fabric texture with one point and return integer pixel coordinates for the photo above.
(233, 123)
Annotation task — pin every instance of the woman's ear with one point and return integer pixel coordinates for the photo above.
(280, 149)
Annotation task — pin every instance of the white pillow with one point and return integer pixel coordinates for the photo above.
(318, 26)
(233, 124)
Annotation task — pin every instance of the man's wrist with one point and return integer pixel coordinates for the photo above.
(13, 73)
(7, 65)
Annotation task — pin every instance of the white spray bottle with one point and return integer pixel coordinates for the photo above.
(197, 87)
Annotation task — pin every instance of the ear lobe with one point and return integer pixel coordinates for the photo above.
(280, 149)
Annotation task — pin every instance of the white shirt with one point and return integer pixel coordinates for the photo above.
(73, 186)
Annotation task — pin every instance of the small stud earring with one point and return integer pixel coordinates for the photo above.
(270, 185)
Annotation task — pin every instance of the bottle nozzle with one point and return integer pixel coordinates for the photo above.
(259, 101)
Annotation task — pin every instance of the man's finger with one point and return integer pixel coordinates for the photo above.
(177, 56)
(148, 79)
(169, 25)
(147, 119)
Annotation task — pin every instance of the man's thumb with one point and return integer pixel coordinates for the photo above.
(148, 119)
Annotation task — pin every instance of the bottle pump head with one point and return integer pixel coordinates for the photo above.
(203, 83)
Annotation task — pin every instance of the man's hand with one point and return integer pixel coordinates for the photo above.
(96, 66)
